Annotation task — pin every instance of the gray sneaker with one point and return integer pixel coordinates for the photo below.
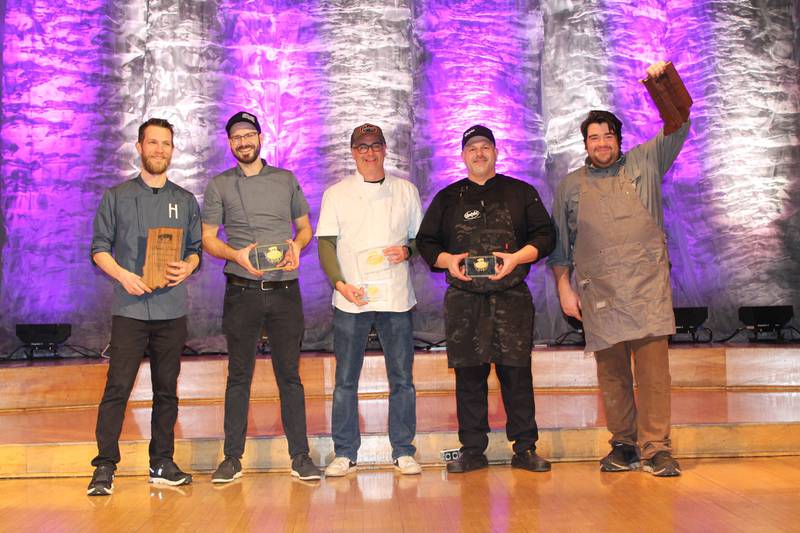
(227, 471)
(621, 458)
(662, 464)
(303, 468)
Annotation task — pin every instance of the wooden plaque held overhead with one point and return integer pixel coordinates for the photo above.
(164, 246)
(671, 98)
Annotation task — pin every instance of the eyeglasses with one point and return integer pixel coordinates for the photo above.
(237, 139)
(364, 148)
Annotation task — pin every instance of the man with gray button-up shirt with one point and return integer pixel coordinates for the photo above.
(259, 204)
(144, 318)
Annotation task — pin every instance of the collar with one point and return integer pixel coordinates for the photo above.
(613, 170)
(140, 182)
(240, 173)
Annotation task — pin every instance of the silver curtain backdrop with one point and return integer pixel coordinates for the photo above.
(79, 76)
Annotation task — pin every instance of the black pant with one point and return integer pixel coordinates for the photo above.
(472, 389)
(280, 310)
(129, 340)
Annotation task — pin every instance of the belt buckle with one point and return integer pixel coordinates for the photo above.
(265, 287)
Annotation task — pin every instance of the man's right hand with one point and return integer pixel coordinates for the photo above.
(242, 258)
(570, 302)
(351, 293)
(452, 262)
(133, 284)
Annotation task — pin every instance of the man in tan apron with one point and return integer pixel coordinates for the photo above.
(609, 224)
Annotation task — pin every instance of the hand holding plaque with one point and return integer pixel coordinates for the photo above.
(375, 291)
(372, 260)
(164, 246)
(480, 266)
(269, 256)
(670, 96)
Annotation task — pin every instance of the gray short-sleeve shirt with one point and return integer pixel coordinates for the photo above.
(258, 208)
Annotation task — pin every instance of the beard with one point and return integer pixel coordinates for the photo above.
(156, 166)
(256, 152)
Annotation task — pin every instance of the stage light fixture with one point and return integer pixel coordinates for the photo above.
(766, 319)
(689, 321)
(47, 337)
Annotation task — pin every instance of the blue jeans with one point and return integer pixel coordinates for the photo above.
(350, 333)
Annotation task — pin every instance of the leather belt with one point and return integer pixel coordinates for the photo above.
(260, 284)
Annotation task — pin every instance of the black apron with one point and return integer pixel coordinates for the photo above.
(486, 321)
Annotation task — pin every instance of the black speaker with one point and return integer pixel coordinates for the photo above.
(688, 319)
(43, 334)
(766, 318)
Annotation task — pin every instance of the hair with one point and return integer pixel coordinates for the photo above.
(602, 117)
(161, 123)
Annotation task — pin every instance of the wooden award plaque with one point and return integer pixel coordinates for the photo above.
(164, 246)
(671, 98)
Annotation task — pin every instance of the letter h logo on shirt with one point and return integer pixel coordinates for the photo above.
(173, 210)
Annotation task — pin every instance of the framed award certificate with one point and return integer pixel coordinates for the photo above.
(268, 256)
(480, 266)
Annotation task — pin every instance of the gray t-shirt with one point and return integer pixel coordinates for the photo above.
(120, 227)
(258, 208)
(646, 164)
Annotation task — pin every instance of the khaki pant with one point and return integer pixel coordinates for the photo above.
(647, 424)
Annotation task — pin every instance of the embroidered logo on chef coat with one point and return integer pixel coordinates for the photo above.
(173, 209)
(472, 214)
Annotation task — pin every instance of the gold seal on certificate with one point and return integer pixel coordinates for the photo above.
(164, 246)
(268, 256)
(375, 291)
(372, 260)
(480, 266)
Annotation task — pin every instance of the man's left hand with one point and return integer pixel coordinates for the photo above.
(291, 260)
(177, 271)
(656, 69)
(395, 254)
(506, 263)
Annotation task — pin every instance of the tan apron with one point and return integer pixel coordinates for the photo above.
(621, 265)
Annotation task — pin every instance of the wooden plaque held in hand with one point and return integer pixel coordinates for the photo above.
(671, 98)
(164, 246)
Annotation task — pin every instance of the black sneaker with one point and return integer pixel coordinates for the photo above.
(530, 460)
(621, 458)
(168, 473)
(467, 462)
(662, 465)
(228, 470)
(303, 467)
(102, 483)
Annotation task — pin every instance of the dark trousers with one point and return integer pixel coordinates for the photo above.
(516, 387)
(280, 310)
(130, 338)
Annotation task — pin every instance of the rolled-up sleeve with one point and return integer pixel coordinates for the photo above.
(562, 253)
(104, 225)
(540, 232)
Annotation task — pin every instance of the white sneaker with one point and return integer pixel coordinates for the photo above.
(341, 466)
(407, 465)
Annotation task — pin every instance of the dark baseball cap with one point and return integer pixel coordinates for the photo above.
(245, 117)
(477, 130)
(366, 130)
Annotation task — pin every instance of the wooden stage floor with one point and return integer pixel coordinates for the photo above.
(753, 494)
